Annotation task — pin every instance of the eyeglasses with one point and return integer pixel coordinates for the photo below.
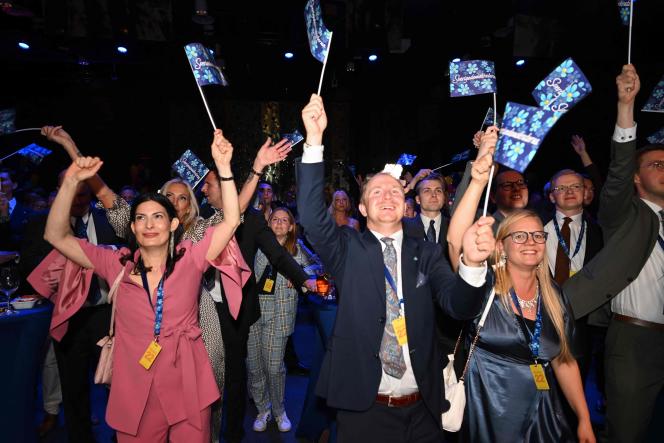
(519, 184)
(521, 237)
(657, 164)
(563, 188)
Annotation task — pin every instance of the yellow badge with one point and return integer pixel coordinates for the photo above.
(269, 283)
(150, 355)
(540, 377)
(399, 325)
(571, 273)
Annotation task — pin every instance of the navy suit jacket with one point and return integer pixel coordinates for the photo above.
(351, 371)
(414, 227)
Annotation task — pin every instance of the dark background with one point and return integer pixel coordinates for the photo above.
(143, 107)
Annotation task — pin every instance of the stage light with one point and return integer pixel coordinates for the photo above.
(23, 45)
(520, 62)
(122, 50)
(289, 55)
(373, 57)
(456, 60)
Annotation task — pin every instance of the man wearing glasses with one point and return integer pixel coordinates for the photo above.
(510, 194)
(627, 272)
(573, 240)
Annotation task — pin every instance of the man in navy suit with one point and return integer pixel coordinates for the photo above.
(383, 367)
(430, 223)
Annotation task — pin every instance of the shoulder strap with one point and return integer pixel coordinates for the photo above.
(112, 298)
(480, 324)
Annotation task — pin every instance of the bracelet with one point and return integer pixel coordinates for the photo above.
(225, 179)
(257, 174)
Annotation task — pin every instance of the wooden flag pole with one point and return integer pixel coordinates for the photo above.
(629, 43)
(322, 73)
(488, 190)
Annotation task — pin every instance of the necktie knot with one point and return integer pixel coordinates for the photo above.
(567, 221)
(387, 240)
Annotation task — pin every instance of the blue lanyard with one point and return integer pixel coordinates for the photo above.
(534, 344)
(562, 241)
(159, 306)
(393, 285)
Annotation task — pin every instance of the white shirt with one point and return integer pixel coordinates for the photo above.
(92, 238)
(215, 292)
(643, 298)
(426, 221)
(576, 262)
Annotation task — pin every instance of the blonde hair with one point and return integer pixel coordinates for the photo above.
(550, 298)
(194, 210)
(349, 209)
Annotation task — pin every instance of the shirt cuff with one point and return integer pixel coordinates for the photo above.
(312, 154)
(624, 135)
(474, 276)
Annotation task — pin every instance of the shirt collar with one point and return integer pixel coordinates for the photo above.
(427, 220)
(576, 218)
(397, 237)
(654, 206)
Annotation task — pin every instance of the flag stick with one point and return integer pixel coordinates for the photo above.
(629, 44)
(322, 72)
(495, 111)
(207, 108)
(441, 167)
(21, 130)
(488, 188)
(6, 157)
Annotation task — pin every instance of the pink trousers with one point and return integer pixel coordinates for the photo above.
(154, 427)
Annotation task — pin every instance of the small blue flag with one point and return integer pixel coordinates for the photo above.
(190, 168)
(657, 138)
(472, 77)
(7, 117)
(623, 8)
(461, 156)
(294, 137)
(563, 88)
(205, 70)
(406, 159)
(524, 128)
(655, 102)
(34, 153)
(319, 35)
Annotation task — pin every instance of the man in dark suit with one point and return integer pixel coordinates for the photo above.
(14, 215)
(77, 353)
(253, 233)
(628, 273)
(430, 223)
(383, 367)
(574, 238)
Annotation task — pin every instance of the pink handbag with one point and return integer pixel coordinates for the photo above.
(104, 371)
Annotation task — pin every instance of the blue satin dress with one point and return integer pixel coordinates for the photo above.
(503, 404)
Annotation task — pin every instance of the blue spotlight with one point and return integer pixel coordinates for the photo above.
(373, 57)
(122, 50)
(456, 60)
(23, 45)
(289, 55)
(520, 62)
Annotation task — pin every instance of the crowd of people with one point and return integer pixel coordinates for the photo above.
(205, 306)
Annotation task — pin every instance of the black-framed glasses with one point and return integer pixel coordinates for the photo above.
(519, 184)
(657, 164)
(576, 187)
(521, 237)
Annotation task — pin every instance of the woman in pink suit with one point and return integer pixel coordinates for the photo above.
(166, 397)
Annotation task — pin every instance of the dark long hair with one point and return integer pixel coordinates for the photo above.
(132, 244)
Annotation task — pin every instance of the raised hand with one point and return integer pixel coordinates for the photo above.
(476, 138)
(578, 144)
(57, 134)
(83, 168)
(481, 169)
(628, 84)
(478, 242)
(221, 149)
(315, 120)
(269, 154)
(488, 141)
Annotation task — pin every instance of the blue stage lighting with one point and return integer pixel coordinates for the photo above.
(456, 60)
(373, 57)
(23, 45)
(289, 55)
(122, 50)
(520, 62)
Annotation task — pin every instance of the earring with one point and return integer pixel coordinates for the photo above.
(503, 260)
(171, 245)
(539, 266)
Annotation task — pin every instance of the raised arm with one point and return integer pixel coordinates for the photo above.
(416, 179)
(618, 190)
(222, 152)
(58, 229)
(466, 208)
(266, 155)
(58, 135)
